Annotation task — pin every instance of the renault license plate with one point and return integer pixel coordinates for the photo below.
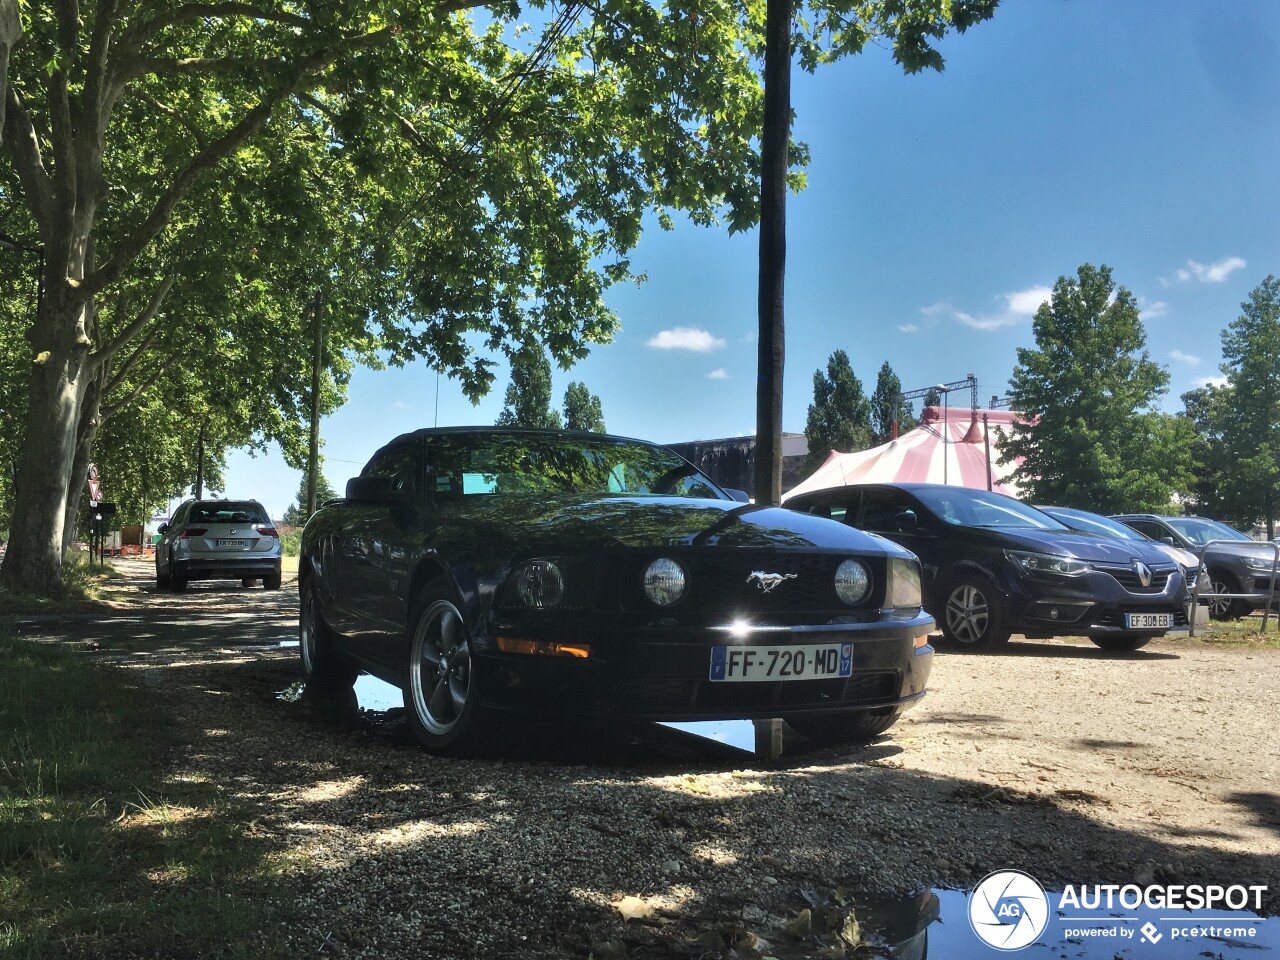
(1148, 621)
(806, 661)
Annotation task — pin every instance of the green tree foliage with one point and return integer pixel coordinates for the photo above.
(527, 402)
(933, 398)
(452, 190)
(582, 409)
(1094, 438)
(840, 415)
(295, 515)
(883, 401)
(1208, 408)
(1249, 487)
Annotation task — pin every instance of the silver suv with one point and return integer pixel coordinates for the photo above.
(218, 540)
(1242, 568)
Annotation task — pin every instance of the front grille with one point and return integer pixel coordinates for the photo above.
(1127, 577)
(721, 585)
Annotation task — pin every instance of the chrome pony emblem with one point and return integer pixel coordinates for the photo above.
(1143, 572)
(767, 581)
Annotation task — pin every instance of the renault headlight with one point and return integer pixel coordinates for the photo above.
(902, 589)
(1041, 564)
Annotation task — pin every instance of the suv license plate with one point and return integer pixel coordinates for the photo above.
(231, 543)
(1146, 621)
(807, 661)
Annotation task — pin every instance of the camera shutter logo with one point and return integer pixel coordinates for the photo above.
(1008, 910)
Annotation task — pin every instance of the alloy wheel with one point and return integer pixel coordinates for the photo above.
(440, 668)
(967, 614)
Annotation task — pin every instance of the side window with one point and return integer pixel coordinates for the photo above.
(396, 464)
(1152, 530)
(836, 511)
(881, 510)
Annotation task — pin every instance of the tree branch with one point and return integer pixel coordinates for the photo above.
(108, 410)
(174, 115)
(140, 350)
(104, 354)
(24, 145)
(211, 155)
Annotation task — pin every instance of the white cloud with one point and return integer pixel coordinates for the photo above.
(1190, 359)
(933, 309)
(401, 405)
(721, 374)
(1212, 382)
(686, 338)
(987, 323)
(1211, 272)
(1153, 310)
(1026, 302)
(908, 328)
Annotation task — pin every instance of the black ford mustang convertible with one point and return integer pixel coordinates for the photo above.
(491, 570)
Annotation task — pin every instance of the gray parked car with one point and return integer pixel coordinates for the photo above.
(1242, 566)
(218, 540)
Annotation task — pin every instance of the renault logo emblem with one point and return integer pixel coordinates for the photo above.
(1143, 572)
(767, 581)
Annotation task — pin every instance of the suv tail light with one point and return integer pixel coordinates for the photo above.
(266, 531)
(192, 532)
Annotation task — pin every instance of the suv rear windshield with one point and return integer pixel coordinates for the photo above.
(227, 511)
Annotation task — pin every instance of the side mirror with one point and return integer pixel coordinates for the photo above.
(374, 490)
(163, 528)
(907, 521)
(740, 495)
(1168, 541)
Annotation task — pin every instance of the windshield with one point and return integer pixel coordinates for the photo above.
(1201, 531)
(488, 464)
(1092, 523)
(980, 508)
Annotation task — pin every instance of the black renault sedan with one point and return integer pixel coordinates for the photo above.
(492, 570)
(994, 566)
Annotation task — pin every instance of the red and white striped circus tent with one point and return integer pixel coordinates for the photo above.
(947, 447)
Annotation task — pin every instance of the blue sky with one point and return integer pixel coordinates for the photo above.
(940, 210)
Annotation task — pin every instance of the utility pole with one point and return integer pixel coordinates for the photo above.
(774, 161)
(313, 464)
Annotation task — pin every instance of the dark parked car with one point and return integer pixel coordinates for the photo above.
(218, 540)
(994, 566)
(1242, 566)
(485, 570)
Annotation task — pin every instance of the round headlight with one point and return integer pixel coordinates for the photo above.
(664, 582)
(853, 582)
(539, 583)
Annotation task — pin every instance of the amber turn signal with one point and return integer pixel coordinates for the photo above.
(543, 647)
(922, 641)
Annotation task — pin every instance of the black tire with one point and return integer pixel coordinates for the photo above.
(1123, 641)
(973, 613)
(441, 695)
(858, 726)
(1224, 609)
(177, 584)
(272, 580)
(329, 682)
(162, 579)
(246, 581)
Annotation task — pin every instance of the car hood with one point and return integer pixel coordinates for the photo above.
(1242, 549)
(1083, 546)
(576, 523)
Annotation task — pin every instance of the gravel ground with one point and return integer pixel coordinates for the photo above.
(1074, 765)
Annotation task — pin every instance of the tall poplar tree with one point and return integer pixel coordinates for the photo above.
(840, 415)
(1093, 437)
(1250, 489)
(883, 403)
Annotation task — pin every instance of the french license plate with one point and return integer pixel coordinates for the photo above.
(1144, 621)
(231, 543)
(806, 661)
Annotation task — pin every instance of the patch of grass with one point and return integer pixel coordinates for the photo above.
(107, 848)
(1246, 632)
(78, 591)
